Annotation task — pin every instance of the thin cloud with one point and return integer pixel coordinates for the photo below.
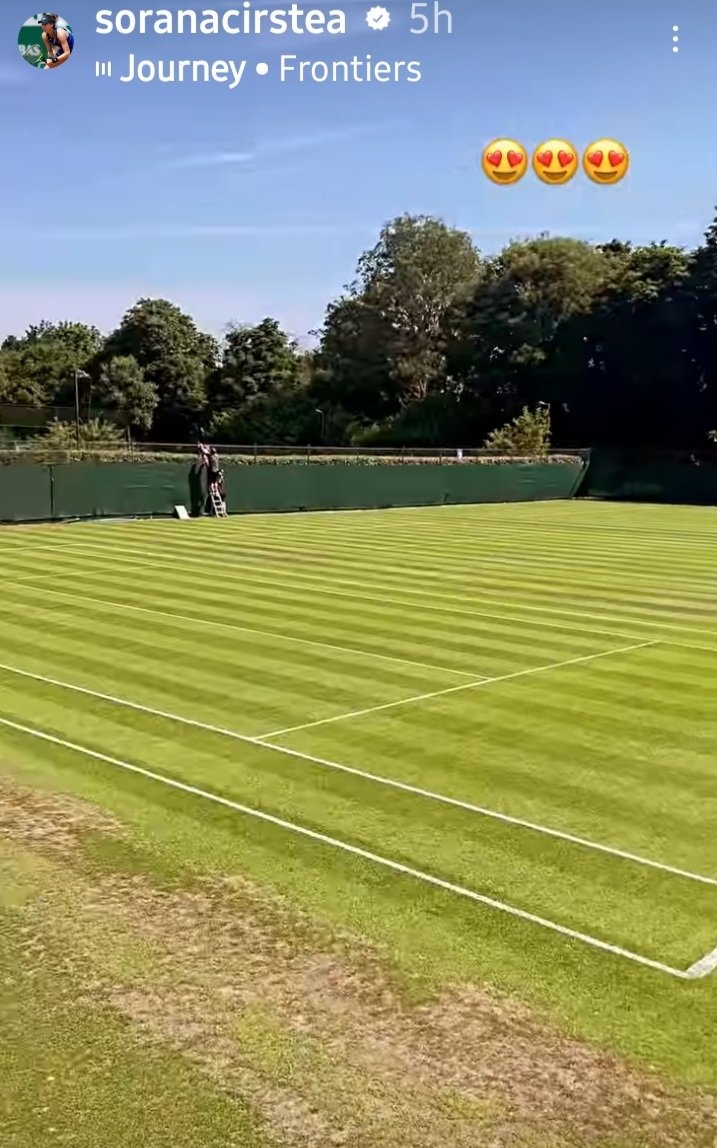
(282, 146)
(216, 159)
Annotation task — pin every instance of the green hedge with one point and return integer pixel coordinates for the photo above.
(8, 458)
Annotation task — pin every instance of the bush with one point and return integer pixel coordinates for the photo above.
(95, 433)
(529, 433)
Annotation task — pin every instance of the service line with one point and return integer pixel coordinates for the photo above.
(455, 689)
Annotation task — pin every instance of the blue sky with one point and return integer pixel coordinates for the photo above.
(237, 204)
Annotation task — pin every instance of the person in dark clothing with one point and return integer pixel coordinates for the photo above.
(213, 468)
(209, 459)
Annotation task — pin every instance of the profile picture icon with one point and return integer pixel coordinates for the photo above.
(46, 41)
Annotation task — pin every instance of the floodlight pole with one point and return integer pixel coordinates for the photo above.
(78, 375)
(77, 408)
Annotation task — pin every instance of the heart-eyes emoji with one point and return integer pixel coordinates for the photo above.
(504, 161)
(606, 161)
(555, 161)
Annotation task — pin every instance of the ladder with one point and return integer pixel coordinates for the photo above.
(218, 506)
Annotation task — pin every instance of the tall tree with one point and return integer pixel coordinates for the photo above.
(382, 346)
(429, 345)
(702, 289)
(176, 358)
(125, 390)
(625, 368)
(352, 372)
(410, 278)
(260, 391)
(502, 351)
(256, 361)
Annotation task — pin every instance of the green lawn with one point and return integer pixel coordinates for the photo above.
(570, 651)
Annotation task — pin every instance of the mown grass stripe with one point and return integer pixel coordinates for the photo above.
(365, 775)
(318, 584)
(550, 612)
(491, 647)
(568, 559)
(185, 648)
(256, 632)
(460, 570)
(461, 566)
(482, 647)
(249, 697)
(535, 589)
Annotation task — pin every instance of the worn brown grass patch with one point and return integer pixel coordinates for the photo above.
(314, 1031)
(52, 822)
(327, 1047)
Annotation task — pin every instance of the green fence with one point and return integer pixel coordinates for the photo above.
(26, 492)
(661, 477)
(93, 490)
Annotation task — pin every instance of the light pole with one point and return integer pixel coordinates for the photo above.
(323, 423)
(78, 375)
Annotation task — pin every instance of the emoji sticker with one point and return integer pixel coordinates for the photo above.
(606, 161)
(555, 161)
(504, 161)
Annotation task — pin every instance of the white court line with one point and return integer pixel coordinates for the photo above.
(404, 787)
(240, 629)
(704, 966)
(377, 859)
(455, 689)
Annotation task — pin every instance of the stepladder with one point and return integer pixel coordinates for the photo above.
(217, 503)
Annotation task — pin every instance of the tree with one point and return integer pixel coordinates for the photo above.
(38, 368)
(505, 334)
(125, 389)
(701, 291)
(283, 418)
(352, 371)
(255, 362)
(410, 278)
(260, 393)
(527, 292)
(382, 345)
(624, 365)
(176, 359)
(429, 345)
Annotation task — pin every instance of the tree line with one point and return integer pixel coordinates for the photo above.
(431, 344)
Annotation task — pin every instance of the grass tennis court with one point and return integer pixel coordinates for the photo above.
(396, 827)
